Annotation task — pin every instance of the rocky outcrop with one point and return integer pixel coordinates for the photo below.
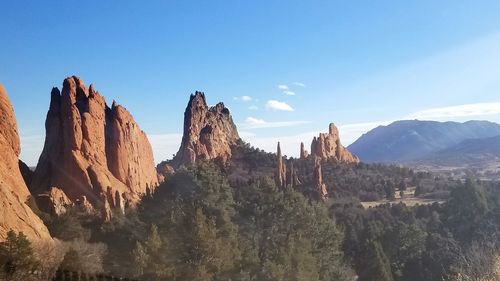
(164, 170)
(303, 153)
(286, 175)
(14, 213)
(92, 150)
(281, 169)
(318, 179)
(209, 132)
(54, 202)
(328, 146)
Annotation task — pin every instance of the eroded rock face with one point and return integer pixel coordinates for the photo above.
(14, 213)
(93, 151)
(164, 170)
(328, 146)
(209, 132)
(54, 201)
(129, 153)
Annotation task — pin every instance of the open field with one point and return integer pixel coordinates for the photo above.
(408, 199)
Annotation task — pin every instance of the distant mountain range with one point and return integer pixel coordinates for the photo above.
(469, 144)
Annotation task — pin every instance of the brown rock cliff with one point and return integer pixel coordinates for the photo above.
(328, 146)
(93, 151)
(209, 132)
(14, 213)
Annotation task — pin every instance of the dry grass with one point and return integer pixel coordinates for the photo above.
(408, 199)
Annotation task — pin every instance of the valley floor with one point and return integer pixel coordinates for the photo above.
(409, 199)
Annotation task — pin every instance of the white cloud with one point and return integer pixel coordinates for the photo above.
(278, 105)
(283, 87)
(299, 84)
(289, 93)
(164, 145)
(256, 123)
(246, 134)
(243, 98)
(465, 110)
(253, 107)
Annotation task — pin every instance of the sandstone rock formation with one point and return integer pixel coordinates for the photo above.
(54, 202)
(93, 150)
(292, 179)
(129, 153)
(286, 175)
(209, 132)
(26, 172)
(281, 169)
(164, 170)
(14, 213)
(303, 153)
(318, 179)
(328, 146)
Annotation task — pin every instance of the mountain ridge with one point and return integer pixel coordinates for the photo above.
(408, 140)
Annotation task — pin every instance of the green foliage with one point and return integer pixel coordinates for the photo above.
(16, 257)
(148, 259)
(376, 265)
(466, 208)
(209, 224)
(286, 237)
(430, 242)
(204, 229)
(196, 238)
(70, 226)
(71, 261)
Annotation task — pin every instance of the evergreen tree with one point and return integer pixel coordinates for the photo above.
(16, 257)
(376, 266)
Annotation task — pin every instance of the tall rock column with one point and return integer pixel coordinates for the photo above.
(318, 179)
(14, 213)
(281, 169)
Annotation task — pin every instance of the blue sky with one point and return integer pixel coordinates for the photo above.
(285, 68)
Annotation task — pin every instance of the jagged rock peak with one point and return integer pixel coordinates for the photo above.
(15, 214)
(328, 146)
(92, 149)
(209, 132)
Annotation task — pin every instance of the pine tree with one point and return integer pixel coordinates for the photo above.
(16, 256)
(376, 266)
